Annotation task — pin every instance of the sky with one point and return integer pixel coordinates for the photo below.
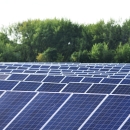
(78, 11)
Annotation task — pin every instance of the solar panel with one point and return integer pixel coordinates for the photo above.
(110, 114)
(1, 92)
(72, 79)
(51, 87)
(3, 76)
(111, 80)
(125, 81)
(92, 80)
(77, 87)
(101, 88)
(27, 86)
(126, 126)
(122, 89)
(5, 70)
(3, 67)
(35, 78)
(56, 79)
(7, 85)
(17, 71)
(34, 117)
(74, 112)
(10, 104)
(64, 95)
(17, 77)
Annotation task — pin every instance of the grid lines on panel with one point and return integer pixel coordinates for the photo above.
(92, 80)
(74, 112)
(110, 114)
(27, 86)
(125, 81)
(17, 77)
(38, 111)
(126, 125)
(7, 85)
(11, 104)
(122, 89)
(111, 80)
(72, 79)
(76, 87)
(3, 76)
(101, 88)
(56, 79)
(35, 78)
(51, 87)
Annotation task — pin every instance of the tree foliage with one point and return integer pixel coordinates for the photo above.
(47, 41)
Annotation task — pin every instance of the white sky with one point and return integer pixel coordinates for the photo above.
(79, 11)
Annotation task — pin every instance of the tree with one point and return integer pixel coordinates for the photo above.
(49, 55)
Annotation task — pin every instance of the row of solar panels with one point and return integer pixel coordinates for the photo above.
(64, 79)
(62, 111)
(62, 87)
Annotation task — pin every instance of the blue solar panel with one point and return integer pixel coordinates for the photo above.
(10, 104)
(101, 88)
(77, 87)
(11, 67)
(7, 85)
(56, 79)
(27, 86)
(29, 71)
(5, 70)
(51, 87)
(92, 80)
(2, 67)
(110, 114)
(17, 71)
(38, 111)
(126, 125)
(1, 92)
(125, 81)
(3, 76)
(111, 80)
(72, 79)
(35, 78)
(74, 112)
(17, 77)
(35, 66)
(122, 89)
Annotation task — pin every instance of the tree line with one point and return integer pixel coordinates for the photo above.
(60, 40)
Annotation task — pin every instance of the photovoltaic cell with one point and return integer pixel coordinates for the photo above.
(35, 78)
(77, 87)
(56, 79)
(38, 111)
(126, 125)
(125, 81)
(10, 104)
(17, 77)
(72, 79)
(27, 86)
(51, 87)
(101, 88)
(17, 71)
(110, 114)
(7, 85)
(3, 76)
(92, 80)
(1, 92)
(122, 89)
(74, 112)
(111, 80)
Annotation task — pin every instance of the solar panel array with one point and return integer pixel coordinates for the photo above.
(64, 96)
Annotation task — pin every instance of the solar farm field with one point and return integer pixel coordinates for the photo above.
(64, 96)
